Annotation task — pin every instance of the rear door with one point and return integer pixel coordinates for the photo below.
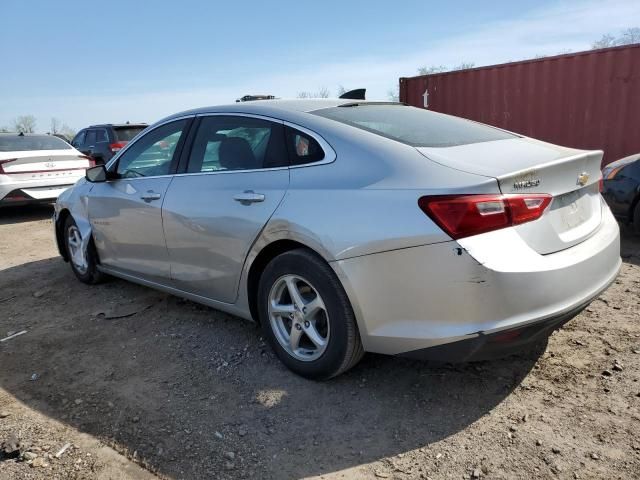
(125, 212)
(237, 175)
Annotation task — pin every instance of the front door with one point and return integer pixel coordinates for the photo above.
(236, 177)
(126, 211)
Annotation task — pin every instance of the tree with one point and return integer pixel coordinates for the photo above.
(25, 124)
(4, 129)
(394, 94)
(432, 69)
(323, 92)
(341, 90)
(56, 125)
(464, 66)
(629, 36)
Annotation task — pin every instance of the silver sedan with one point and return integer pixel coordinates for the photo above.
(349, 226)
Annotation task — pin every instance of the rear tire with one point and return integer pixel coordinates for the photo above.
(85, 267)
(307, 317)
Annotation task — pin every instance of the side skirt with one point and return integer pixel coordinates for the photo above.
(224, 307)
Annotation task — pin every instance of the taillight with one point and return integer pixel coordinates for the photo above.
(92, 162)
(465, 215)
(116, 147)
(610, 172)
(2, 162)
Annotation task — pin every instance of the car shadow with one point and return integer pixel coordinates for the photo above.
(25, 213)
(629, 245)
(182, 385)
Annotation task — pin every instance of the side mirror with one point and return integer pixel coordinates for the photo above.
(96, 174)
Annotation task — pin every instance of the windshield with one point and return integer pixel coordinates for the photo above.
(414, 126)
(126, 134)
(20, 143)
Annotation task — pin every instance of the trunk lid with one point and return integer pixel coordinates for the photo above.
(524, 165)
(25, 165)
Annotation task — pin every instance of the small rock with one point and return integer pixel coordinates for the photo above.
(28, 456)
(34, 377)
(539, 443)
(476, 473)
(39, 462)
(4, 414)
(595, 456)
(218, 435)
(39, 293)
(513, 428)
(229, 455)
(525, 417)
(381, 474)
(135, 419)
(77, 401)
(607, 373)
(242, 432)
(438, 456)
(555, 450)
(618, 367)
(229, 466)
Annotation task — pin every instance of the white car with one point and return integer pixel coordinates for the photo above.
(37, 168)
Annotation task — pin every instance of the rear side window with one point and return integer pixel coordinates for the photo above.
(302, 148)
(126, 134)
(237, 143)
(101, 135)
(414, 126)
(23, 143)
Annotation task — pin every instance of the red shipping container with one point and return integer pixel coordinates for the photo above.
(588, 100)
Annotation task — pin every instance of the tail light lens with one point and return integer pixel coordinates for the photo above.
(116, 147)
(465, 215)
(2, 162)
(92, 162)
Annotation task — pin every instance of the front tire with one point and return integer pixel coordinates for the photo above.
(83, 264)
(306, 316)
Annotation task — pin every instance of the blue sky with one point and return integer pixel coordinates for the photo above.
(114, 61)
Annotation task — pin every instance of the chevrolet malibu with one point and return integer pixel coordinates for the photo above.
(348, 226)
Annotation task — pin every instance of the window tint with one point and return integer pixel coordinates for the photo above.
(237, 143)
(152, 154)
(126, 134)
(414, 126)
(101, 135)
(79, 140)
(302, 148)
(91, 138)
(23, 143)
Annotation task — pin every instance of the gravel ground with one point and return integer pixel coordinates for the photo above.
(188, 392)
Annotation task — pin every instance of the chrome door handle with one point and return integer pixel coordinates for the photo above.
(150, 195)
(248, 197)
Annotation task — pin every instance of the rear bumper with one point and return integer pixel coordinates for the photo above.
(463, 294)
(35, 191)
(498, 344)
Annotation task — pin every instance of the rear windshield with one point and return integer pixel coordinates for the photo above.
(126, 134)
(19, 143)
(414, 126)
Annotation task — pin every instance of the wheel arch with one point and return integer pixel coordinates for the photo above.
(59, 230)
(262, 259)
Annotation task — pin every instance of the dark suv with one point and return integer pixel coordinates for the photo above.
(101, 142)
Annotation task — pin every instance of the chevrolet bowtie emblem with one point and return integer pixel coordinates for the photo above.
(583, 178)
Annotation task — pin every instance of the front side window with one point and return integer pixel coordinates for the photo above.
(414, 126)
(79, 140)
(152, 154)
(237, 143)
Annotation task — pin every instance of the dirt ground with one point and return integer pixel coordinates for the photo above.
(134, 378)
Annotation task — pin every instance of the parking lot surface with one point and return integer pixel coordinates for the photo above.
(140, 383)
